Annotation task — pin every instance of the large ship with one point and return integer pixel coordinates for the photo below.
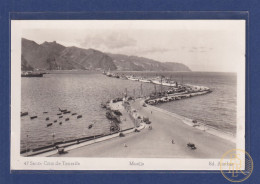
(164, 82)
(32, 74)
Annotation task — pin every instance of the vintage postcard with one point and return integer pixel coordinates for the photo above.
(127, 94)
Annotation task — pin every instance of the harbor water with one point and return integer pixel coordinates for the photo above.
(82, 93)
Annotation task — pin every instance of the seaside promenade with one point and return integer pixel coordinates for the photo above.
(167, 139)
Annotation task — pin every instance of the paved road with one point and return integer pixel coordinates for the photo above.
(157, 142)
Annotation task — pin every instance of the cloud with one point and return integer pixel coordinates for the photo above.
(120, 43)
(198, 49)
(154, 50)
(108, 41)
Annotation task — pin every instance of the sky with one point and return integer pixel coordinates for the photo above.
(202, 45)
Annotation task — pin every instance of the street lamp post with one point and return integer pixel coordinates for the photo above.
(27, 145)
(53, 135)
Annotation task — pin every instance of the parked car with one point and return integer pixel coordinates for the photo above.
(191, 146)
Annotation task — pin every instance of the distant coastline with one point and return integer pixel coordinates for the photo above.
(54, 56)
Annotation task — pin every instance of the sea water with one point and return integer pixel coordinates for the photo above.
(83, 92)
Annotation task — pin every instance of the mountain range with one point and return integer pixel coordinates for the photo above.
(54, 56)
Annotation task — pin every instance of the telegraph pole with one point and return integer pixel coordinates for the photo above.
(161, 85)
(53, 135)
(125, 92)
(141, 90)
(155, 89)
(27, 145)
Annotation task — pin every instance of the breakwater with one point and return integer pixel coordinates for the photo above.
(176, 91)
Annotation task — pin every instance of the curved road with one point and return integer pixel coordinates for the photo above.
(157, 143)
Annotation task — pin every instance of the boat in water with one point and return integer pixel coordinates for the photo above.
(171, 84)
(32, 74)
(164, 82)
(24, 114)
(103, 105)
(145, 80)
(49, 124)
(33, 117)
(156, 82)
(132, 78)
(79, 116)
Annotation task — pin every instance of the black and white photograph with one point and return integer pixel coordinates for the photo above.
(152, 94)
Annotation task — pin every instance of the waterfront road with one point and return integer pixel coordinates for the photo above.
(168, 139)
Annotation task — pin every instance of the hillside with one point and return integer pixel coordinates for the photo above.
(134, 63)
(54, 56)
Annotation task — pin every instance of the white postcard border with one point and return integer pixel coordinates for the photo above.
(55, 163)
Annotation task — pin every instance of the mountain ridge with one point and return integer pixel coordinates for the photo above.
(54, 56)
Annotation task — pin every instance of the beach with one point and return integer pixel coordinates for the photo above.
(168, 139)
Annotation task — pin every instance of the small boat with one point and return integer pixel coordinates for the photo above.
(55, 121)
(90, 126)
(60, 123)
(136, 130)
(103, 105)
(49, 124)
(79, 116)
(112, 116)
(45, 112)
(112, 128)
(67, 119)
(109, 115)
(24, 114)
(33, 117)
(60, 116)
(194, 121)
(74, 114)
(117, 112)
(47, 119)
